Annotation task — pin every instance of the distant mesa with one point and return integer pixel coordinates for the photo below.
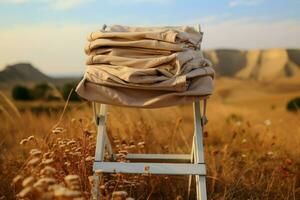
(23, 72)
(260, 65)
(26, 73)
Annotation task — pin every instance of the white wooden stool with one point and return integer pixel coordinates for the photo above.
(169, 164)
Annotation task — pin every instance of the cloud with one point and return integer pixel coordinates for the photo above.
(236, 3)
(66, 4)
(58, 49)
(55, 49)
(53, 4)
(141, 1)
(13, 1)
(247, 34)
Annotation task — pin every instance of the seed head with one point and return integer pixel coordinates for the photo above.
(47, 170)
(28, 181)
(35, 152)
(25, 192)
(17, 179)
(24, 141)
(33, 162)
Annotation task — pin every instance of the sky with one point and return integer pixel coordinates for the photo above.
(51, 34)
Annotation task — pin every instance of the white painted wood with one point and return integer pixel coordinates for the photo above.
(94, 112)
(152, 168)
(198, 27)
(198, 139)
(108, 145)
(95, 189)
(100, 141)
(199, 152)
(100, 144)
(167, 157)
(192, 155)
(202, 183)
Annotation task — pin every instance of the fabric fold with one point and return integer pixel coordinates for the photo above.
(146, 67)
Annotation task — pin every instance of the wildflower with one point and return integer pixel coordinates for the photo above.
(267, 122)
(270, 153)
(244, 141)
(58, 130)
(288, 161)
(116, 141)
(48, 155)
(70, 178)
(25, 192)
(73, 182)
(71, 142)
(111, 187)
(89, 158)
(102, 187)
(91, 180)
(141, 144)
(119, 195)
(99, 172)
(78, 149)
(146, 169)
(43, 183)
(30, 138)
(28, 181)
(131, 142)
(120, 155)
(67, 193)
(123, 152)
(238, 123)
(35, 152)
(244, 155)
(17, 179)
(24, 141)
(48, 170)
(76, 153)
(33, 161)
(48, 161)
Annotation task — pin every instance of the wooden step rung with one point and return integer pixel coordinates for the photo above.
(182, 158)
(152, 168)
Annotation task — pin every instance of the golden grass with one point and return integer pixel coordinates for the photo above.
(252, 152)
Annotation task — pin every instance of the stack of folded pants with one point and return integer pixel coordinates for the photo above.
(146, 67)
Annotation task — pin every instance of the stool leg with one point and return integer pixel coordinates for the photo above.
(100, 147)
(199, 153)
(201, 192)
(192, 161)
(95, 189)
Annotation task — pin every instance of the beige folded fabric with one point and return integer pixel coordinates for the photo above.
(146, 67)
(168, 34)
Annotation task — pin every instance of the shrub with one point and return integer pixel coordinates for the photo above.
(293, 105)
(66, 89)
(40, 90)
(44, 91)
(21, 93)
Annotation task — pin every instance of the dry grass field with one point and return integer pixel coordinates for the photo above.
(252, 147)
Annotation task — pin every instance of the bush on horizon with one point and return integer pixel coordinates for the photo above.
(293, 105)
(44, 91)
(66, 89)
(21, 93)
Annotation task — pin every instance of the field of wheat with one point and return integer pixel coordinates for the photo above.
(252, 150)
